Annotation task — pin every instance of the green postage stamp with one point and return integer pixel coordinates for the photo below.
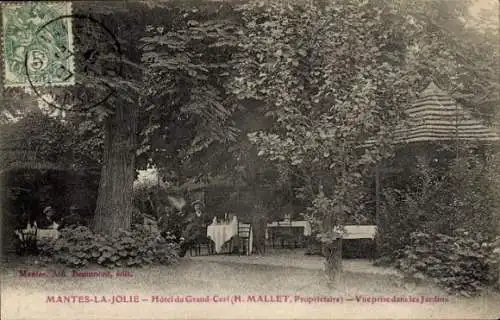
(37, 44)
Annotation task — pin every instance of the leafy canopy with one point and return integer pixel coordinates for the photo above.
(331, 77)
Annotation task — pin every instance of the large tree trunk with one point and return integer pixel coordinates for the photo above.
(115, 199)
(497, 246)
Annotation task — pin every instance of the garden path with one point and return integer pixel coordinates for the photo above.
(297, 259)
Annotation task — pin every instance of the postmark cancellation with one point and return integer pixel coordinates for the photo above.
(37, 44)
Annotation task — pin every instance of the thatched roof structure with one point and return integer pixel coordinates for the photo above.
(12, 160)
(436, 116)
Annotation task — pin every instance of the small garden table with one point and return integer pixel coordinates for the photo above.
(222, 233)
(293, 224)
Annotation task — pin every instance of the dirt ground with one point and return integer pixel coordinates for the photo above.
(211, 282)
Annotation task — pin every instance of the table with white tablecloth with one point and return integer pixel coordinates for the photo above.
(292, 224)
(47, 234)
(224, 232)
(41, 234)
(354, 232)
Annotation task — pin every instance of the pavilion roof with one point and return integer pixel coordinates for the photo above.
(12, 160)
(436, 116)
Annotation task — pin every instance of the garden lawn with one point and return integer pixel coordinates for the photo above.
(25, 298)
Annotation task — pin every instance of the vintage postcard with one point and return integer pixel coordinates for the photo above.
(319, 159)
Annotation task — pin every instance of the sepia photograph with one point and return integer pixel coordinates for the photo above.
(250, 159)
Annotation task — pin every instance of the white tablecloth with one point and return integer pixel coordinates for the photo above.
(358, 232)
(41, 234)
(294, 224)
(221, 233)
(47, 234)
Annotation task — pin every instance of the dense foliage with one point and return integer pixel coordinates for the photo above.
(272, 103)
(458, 49)
(465, 263)
(36, 137)
(188, 60)
(439, 194)
(43, 160)
(79, 246)
(330, 77)
(153, 200)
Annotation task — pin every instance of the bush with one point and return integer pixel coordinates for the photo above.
(438, 196)
(79, 246)
(153, 201)
(314, 246)
(173, 221)
(461, 264)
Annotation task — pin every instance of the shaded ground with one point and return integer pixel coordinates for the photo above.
(297, 259)
(26, 297)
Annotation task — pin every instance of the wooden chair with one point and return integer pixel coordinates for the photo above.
(244, 234)
(227, 248)
(205, 244)
(28, 241)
